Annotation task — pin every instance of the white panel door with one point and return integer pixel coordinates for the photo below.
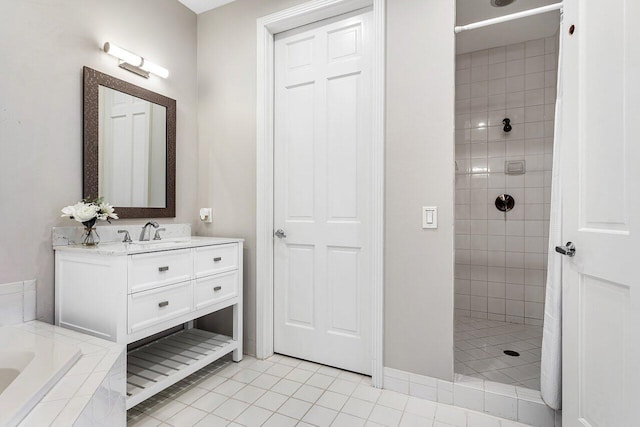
(125, 129)
(601, 209)
(322, 306)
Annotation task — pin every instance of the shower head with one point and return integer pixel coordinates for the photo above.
(501, 3)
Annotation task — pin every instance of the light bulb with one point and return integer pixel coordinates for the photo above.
(125, 55)
(155, 69)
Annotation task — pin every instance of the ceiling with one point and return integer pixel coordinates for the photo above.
(469, 11)
(200, 6)
(533, 27)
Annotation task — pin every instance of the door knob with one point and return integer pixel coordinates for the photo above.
(280, 234)
(569, 249)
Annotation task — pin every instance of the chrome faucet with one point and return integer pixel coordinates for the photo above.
(157, 235)
(144, 230)
(127, 238)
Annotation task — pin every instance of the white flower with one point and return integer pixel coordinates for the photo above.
(90, 211)
(84, 212)
(67, 211)
(106, 212)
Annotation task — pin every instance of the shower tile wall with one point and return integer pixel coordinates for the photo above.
(501, 260)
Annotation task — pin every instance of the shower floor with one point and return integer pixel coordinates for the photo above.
(480, 346)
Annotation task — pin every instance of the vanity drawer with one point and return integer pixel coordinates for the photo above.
(148, 271)
(213, 289)
(158, 305)
(216, 259)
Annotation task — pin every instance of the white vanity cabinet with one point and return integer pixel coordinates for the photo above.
(127, 292)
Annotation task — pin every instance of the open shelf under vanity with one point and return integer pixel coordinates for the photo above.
(162, 363)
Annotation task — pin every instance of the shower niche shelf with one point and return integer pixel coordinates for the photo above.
(515, 167)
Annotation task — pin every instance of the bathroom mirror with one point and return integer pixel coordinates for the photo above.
(129, 147)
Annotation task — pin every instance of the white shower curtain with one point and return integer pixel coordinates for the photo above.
(551, 362)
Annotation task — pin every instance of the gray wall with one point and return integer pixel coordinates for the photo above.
(43, 46)
(419, 165)
(420, 172)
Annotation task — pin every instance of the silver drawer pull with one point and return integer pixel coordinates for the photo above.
(217, 259)
(163, 304)
(165, 268)
(217, 288)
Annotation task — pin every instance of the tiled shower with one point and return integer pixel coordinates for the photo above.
(501, 257)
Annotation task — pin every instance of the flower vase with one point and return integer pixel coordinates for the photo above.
(90, 237)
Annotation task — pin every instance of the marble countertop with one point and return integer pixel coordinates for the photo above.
(119, 248)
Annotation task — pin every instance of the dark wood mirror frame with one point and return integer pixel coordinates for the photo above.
(92, 80)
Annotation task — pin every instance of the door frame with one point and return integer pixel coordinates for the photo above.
(267, 27)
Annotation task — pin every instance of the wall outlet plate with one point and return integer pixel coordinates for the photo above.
(206, 215)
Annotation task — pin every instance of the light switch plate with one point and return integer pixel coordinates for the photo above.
(429, 217)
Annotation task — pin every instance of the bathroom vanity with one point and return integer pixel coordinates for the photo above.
(127, 292)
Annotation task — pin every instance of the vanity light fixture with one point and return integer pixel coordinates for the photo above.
(135, 63)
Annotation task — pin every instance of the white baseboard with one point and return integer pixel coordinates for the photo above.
(502, 400)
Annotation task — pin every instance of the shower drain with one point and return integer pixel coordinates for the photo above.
(511, 353)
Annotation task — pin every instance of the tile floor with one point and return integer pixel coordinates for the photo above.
(282, 391)
(480, 346)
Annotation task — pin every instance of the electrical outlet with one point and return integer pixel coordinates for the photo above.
(206, 215)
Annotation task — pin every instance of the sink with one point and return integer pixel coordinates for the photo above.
(149, 242)
(158, 243)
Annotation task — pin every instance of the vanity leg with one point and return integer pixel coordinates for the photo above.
(188, 325)
(237, 331)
